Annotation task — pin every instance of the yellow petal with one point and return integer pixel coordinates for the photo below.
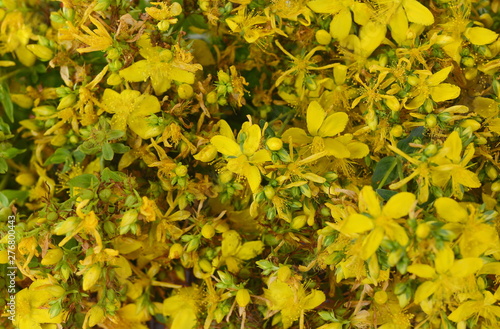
(357, 150)
(356, 223)
(490, 268)
(422, 270)
(253, 176)
(444, 92)
(466, 177)
(439, 76)
(372, 242)
(225, 130)
(425, 290)
(260, 156)
(399, 25)
(315, 117)
(444, 259)
(368, 201)
(465, 311)
(362, 12)
(450, 210)
(336, 148)
(295, 136)
(452, 147)
(325, 6)
(480, 36)
(226, 146)
(399, 205)
(139, 71)
(333, 124)
(313, 300)
(485, 107)
(252, 142)
(371, 36)
(466, 266)
(231, 242)
(341, 24)
(250, 250)
(418, 13)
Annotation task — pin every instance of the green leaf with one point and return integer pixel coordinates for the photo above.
(385, 172)
(108, 175)
(85, 181)
(18, 196)
(61, 155)
(403, 144)
(3, 166)
(4, 201)
(107, 152)
(386, 194)
(115, 134)
(6, 101)
(11, 152)
(120, 148)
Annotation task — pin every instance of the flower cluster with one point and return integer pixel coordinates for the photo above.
(246, 163)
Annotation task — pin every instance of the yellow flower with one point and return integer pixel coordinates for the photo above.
(431, 85)
(132, 109)
(233, 251)
(242, 157)
(380, 221)
(321, 130)
(14, 36)
(451, 165)
(32, 305)
(183, 308)
(248, 25)
(300, 67)
(162, 66)
(87, 223)
(287, 295)
(97, 40)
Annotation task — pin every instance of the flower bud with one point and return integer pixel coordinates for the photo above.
(129, 218)
(52, 257)
(25, 179)
(185, 91)
(274, 143)
(430, 121)
(42, 52)
(91, 276)
(207, 154)
(207, 231)
(298, 222)
(96, 315)
(205, 265)
(495, 187)
(380, 297)
(176, 251)
(114, 79)
(323, 37)
(397, 131)
(67, 101)
(413, 80)
(423, 230)
(470, 123)
(284, 273)
(181, 171)
(242, 297)
(212, 97)
(22, 100)
(491, 172)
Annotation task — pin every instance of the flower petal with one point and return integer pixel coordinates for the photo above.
(444, 92)
(450, 210)
(296, 136)
(356, 223)
(315, 117)
(335, 148)
(226, 146)
(399, 205)
(341, 24)
(333, 124)
(418, 13)
(480, 36)
(372, 242)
